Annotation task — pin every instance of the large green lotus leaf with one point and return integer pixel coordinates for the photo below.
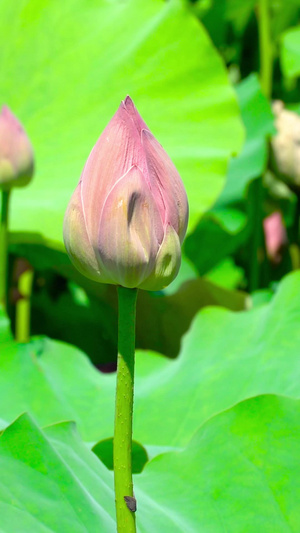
(239, 473)
(168, 318)
(226, 226)
(290, 52)
(46, 483)
(225, 358)
(65, 66)
(55, 382)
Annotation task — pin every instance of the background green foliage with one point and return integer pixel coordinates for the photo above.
(72, 86)
(216, 419)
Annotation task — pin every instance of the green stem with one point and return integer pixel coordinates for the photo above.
(257, 260)
(265, 47)
(257, 252)
(23, 306)
(3, 248)
(124, 409)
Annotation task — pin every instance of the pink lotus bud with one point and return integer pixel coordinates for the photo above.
(16, 154)
(128, 215)
(275, 236)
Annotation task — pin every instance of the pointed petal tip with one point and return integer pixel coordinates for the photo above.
(4, 109)
(128, 101)
(128, 105)
(7, 115)
(132, 114)
(6, 112)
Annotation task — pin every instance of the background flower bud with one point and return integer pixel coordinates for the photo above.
(285, 156)
(16, 153)
(128, 215)
(275, 236)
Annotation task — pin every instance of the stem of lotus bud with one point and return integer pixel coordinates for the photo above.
(3, 248)
(265, 47)
(124, 409)
(25, 281)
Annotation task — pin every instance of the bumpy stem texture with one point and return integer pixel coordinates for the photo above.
(124, 409)
(3, 247)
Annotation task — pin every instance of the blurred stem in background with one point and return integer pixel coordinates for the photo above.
(23, 304)
(4, 248)
(257, 246)
(24, 278)
(258, 255)
(124, 409)
(265, 47)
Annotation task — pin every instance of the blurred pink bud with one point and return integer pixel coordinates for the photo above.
(128, 215)
(16, 153)
(275, 236)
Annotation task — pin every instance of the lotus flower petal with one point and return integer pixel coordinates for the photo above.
(130, 230)
(167, 263)
(134, 115)
(77, 240)
(166, 183)
(117, 150)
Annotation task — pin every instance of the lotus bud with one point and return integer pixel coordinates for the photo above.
(285, 156)
(16, 153)
(275, 236)
(128, 215)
